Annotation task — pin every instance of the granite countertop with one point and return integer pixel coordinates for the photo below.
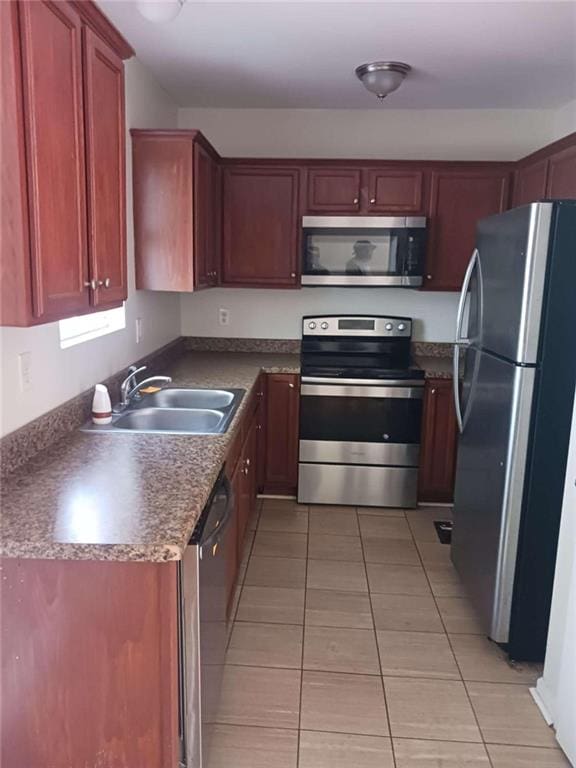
(112, 496)
(435, 367)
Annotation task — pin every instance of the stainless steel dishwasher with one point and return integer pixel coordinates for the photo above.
(202, 625)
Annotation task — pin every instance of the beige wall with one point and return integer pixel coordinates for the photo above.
(564, 121)
(58, 375)
(480, 134)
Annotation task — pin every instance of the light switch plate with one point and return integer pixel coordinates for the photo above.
(25, 370)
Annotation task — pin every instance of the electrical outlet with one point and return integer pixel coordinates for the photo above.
(223, 316)
(138, 330)
(25, 370)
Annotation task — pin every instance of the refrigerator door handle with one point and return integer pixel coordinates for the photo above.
(460, 341)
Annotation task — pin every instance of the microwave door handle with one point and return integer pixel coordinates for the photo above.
(460, 341)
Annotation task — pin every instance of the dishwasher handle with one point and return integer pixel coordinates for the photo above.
(224, 497)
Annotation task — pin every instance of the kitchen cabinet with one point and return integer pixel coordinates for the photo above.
(561, 182)
(548, 173)
(282, 406)
(333, 190)
(394, 190)
(382, 189)
(530, 182)
(64, 81)
(459, 197)
(176, 221)
(261, 226)
(97, 642)
(438, 443)
(106, 184)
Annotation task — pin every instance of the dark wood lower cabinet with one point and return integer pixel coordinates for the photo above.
(281, 454)
(89, 664)
(439, 443)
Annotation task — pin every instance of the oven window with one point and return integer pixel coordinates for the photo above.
(360, 419)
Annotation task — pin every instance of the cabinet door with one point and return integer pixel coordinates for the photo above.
(105, 164)
(530, 183)
(439, 443)
(54, 126)
(282, 433)
(459, 198)
(163, 211)
(261, 227)
(15, 288)
(204, 218)
(333, 190)
(394, 190)
(562, 175)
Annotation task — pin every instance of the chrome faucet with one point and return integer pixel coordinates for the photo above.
(130, 388)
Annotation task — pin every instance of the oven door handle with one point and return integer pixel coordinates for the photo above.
(329, 390)
(363, 382)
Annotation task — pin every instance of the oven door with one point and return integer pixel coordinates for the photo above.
(359, 443)
(371, 251)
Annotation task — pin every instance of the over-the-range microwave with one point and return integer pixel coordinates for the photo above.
(363, 250)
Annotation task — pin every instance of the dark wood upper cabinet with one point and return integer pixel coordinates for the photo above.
(562, 174)
(63, 198)
(106, 168)
(261, 227)
(333, 190)
(530, 182)
(54, 124)
(459, 197)
(282, 405)
(394, 190)
(175, 210)
(438, 444)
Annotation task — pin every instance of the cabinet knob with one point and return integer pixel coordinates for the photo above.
(355, 201)
(428, 277)
(433, 391)
(92, 284)
(104, 283)
(247, 462)
(292, 274)
(372, 200)
(291, 385)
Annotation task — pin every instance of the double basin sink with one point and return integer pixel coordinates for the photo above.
(177, 411)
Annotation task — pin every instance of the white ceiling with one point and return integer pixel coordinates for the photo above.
(466, 55)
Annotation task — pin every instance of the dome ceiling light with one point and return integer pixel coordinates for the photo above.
(160, 11)
(382, 77)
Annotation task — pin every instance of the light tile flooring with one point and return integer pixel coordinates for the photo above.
(354, 646)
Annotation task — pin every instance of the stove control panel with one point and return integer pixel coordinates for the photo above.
(357, 325)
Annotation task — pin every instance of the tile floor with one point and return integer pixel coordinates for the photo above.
(354, 646)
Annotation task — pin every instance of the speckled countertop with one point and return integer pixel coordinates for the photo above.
(126, 496)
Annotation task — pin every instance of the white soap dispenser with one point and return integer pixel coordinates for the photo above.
(101, 405)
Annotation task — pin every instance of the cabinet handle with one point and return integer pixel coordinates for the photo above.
(104, 283)
(355, 201)
(372, 200)
(92, 284)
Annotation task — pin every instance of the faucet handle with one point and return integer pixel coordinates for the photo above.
(134, 369)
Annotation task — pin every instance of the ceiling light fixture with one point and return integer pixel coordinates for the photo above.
(382, 77)
(160, 11)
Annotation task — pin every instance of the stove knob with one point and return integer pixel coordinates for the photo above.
(312, 325)
(324, 325)
(401, 326)
(389, 326)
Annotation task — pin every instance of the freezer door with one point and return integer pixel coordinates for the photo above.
(512, 252)
(489, 484)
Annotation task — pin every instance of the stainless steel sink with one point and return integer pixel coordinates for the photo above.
(175, 420)
(177, 412)
(189, 398)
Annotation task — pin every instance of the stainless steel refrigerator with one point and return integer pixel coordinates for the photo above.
(513, 407)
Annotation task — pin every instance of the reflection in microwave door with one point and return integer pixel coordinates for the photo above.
(361, 260)
(313, 261)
